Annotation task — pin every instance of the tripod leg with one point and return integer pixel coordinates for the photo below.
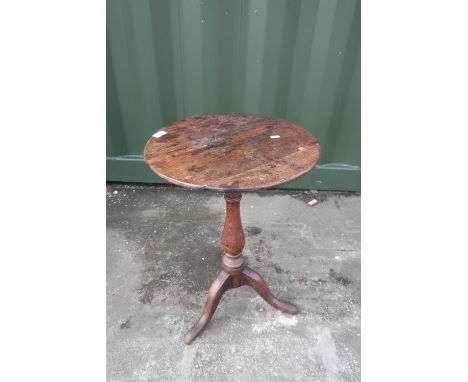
(219, 285)
(257, 282)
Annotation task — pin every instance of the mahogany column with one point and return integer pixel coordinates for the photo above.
(234, 272)
(233, 239)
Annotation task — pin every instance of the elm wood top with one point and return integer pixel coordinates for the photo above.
(231, 152)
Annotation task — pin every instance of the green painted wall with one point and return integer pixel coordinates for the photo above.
(293, 59)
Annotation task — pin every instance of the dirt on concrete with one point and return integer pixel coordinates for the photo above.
(163, 251)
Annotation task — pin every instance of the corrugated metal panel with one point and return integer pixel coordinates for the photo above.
(298, 60)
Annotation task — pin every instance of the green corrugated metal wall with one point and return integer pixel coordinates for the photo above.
(298, 60)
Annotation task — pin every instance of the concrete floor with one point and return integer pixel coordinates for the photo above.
(163, 251)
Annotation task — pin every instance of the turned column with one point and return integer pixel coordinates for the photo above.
(233, 239)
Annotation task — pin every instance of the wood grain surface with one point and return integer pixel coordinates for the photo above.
(231, 152)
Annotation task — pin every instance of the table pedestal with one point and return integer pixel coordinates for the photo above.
(234, 272)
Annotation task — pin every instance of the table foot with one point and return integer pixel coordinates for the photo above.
(219, 285)
(252, 278)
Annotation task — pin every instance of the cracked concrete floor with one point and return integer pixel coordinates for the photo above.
(163, 251)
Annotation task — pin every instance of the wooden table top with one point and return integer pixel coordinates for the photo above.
(231, 152)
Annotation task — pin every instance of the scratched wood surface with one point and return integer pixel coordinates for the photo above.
(231, 152)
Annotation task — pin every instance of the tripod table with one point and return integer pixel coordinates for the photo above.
(232, 153)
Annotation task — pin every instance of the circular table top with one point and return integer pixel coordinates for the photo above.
(231, 152)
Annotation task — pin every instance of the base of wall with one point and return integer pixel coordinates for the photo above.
(332, 177)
